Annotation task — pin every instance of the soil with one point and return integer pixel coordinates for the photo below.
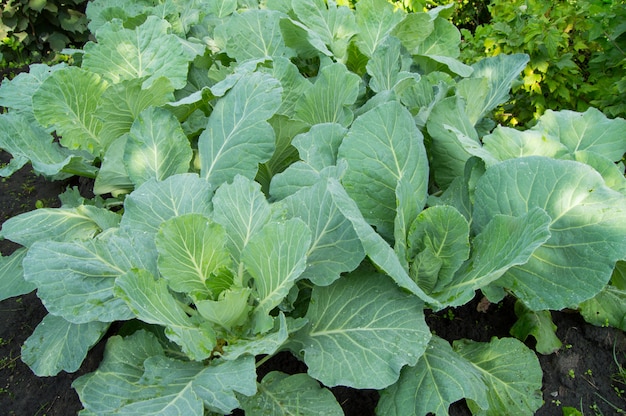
(582, 374)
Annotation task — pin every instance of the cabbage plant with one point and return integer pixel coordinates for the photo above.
(304, 177)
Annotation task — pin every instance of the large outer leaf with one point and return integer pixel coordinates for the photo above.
(156, 147)
(275, 257)
(591, 131)
(67, 101)
(27, 141)
(588, 227)
(58, 224)
(335, 247)
(191, 249)
(153, 203)
(328, 101)
(281, 394)
(382, 148)
(57, 345)
(239, 120)
(151, 301)
(253, 34)
(12, 275)
(375, 20)
(136, 378)
(363, 329)
(440, 378)
(146, 51)
(75, 279)
(513, 385)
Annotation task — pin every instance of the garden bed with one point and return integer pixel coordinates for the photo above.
(583, 374)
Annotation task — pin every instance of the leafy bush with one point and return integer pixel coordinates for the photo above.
(37, 30)
(577, 54)
(301, 177)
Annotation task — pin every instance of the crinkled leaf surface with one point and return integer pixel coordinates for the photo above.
(440, 378)
(58, 345)
(12, 275)
(363, 329)
(281, 394)
(156, 147)
(136, 378)
(67, 101)
(145, 51)
(151, 302)
(587, 226)
(238, 121)
(75, 279)
(382, 148)
(275, 257)
(154, 202)
(58, 224)
(513, 386)
(191, 249)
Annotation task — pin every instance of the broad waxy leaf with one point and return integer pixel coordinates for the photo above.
(591, 131)
(151, 302)
(75, 280)
(587, 223)
(328, 100)
(122, 103)
(440, 378)
(58, 345)
(67, 101)
(254, 34)
(505, 242)
(363, 329)
(58, 224)
(275, 257)
(374, 245)
(382, 148)
(27, 141)
(153, 203)
(146, 51)
(191, 250)
(239, 120)
(513, 386)
(12, 275)
(332, 24)
(242, 210)
(136, 378)
(335, 247)
(280, 394)
(375, 20)
(156, 147)
(538, 324)
(606, 308)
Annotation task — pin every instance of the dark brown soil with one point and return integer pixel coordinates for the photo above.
(580, 375)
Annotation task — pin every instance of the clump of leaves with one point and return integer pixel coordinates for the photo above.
(306, 177)
(577, 54)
